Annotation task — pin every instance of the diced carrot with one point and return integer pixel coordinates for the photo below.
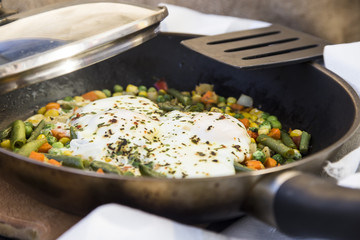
(100, 171)
(45, 148)
(275, 133)
(236, 107)
(209, 97)
(245, 121)
(37, 156)
(270, 162)
(54, 162)
(58, 134)
(252, 134)
(52, 105)
(92, 96)
(254, 164)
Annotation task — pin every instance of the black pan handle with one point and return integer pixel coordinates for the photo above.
(304, 205)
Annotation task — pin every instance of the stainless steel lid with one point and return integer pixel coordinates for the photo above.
(61, 38)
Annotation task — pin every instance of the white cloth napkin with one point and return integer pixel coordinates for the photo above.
(185, 20)
(114, 221)
(344, 60)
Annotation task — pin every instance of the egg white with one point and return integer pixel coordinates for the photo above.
(179, 144)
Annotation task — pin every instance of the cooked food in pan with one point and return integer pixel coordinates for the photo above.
(156, 131)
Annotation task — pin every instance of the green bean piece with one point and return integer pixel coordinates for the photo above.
(275, 124)
(304, 142)
(6, 132)
(287, 140)
(18, 134)
(149, 172)
(73, 133)
(241, 168)
(69, 161)
(276, 146)
(185, 100)
(36, 131)
(26, 149)
(107, 168)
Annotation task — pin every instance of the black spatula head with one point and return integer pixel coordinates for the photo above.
(258, 48)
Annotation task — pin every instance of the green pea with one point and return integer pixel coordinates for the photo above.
(152, 89)
(221, 99)
(160, 98)
(142, 88)
(272, 118)
(68, 98)
(118, 88)
(107, 92)
(29, 127)
(275, 124)
(57, 145)
(28, 130)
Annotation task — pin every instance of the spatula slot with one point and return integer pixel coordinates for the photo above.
(243, 38)
(271, 46)
(261, 45)
(279, 52)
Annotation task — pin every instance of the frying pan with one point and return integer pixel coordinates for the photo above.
(291, 197)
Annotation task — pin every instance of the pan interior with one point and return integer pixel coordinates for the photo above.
(300, 95)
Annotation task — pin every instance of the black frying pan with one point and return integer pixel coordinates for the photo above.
(304, 96)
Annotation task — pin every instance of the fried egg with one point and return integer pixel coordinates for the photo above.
(178, 144)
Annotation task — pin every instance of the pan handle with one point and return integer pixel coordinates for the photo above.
(304, 205)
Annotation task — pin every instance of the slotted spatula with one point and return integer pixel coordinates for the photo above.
(258, 48)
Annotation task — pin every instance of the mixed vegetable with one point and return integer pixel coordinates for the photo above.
(39, 139)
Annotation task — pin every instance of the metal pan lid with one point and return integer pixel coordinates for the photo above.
(45, 43)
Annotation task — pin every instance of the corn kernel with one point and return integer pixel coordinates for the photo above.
(42, 110)
(143, 94)
(100, 94)
(5, 144)
(132, 89)
(227, 109)
(195, 98)
(256, 112)
(51, 113)
(41, 136)
(246, 115)
(253, 117)
(215, 109)
(117, 94)
(107, 159)
(64, 140)
(252, 140)
(162, 92)
(295, 133)
(254, 125)
(78, 99)
(67, 153)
